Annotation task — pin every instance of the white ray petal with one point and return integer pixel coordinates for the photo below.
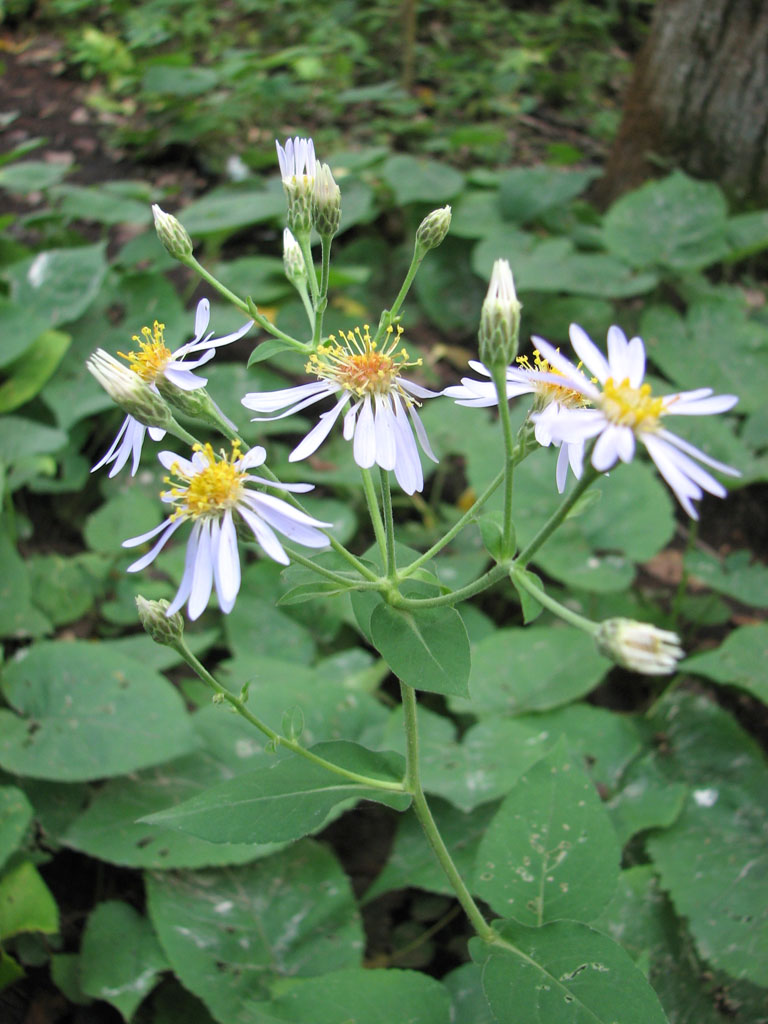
(202, 574)
(588, 353)
(364, 444)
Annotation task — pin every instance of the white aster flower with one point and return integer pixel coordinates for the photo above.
(296, 159)
(551, 393)
(354, 370)
(624, 410)
(298, 169)
(153, 361)
(207, 490)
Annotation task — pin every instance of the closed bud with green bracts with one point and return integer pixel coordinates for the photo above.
(432, 230)
(298, 167)
(499, 319)
(172, 234)
(163, 628)
(326, 203)
(129, 391)
(293, 259)
(639, 646)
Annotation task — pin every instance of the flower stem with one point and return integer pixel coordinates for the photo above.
(493, 575)
(388, 316)
(520, 578)
(588, 477)
(389, 523)
(276, 738)
(427, 822)
(499, 374)
(375, 513)
(457, 527)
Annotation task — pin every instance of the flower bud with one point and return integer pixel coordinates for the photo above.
(172, 234)
(432, 230)
(639, 646)
(129, 391)
(196, 404)
(326, 203)
(500, 318)
(293, 259)
(163, 628)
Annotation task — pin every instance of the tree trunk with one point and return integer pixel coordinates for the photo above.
(698, 100)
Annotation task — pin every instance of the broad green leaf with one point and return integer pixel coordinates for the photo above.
(747, 234)
(25, 376)
(63, 282)
(555, 265)
(175, 80)
(110, 828)
(359, 996)
(739, 661)
(678, 222)
(713, 861)
(285, 800)
(678, 347)
(65, 587)
(550, 852)
(261, 277)
(737, 575)
(126, 514)
(15, 816)
(55, 804)
(525, 192)
(641, 918)
(533, 668)
(20, 326)
(332, 705)
(476, 213)
(469, 1003)
(255, 628)
(564, 972)
(646, 800)
(10, 970)
(100, 203)
(120, 957)
(307, 926)
(21, 438)
(18, 618)
(26, 176)
(428, 649)
(415, 179)
(448, 291)
(26, 903)
(412, 863)
(82, 712)
(227, 209)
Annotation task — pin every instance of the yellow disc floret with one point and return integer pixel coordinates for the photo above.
(546, 391)
(356, 363)
(631, 407)
(153, 356)
(208, 491)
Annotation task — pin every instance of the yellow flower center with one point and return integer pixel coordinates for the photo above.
(209, 491)
(153, 356)
(546, 391)
(631, 407)
(356, 364)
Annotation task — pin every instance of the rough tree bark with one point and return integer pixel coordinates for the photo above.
(698, 100)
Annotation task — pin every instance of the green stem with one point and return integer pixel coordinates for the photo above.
(388, 316)
(375, 513)
(275, 737)
(520, 578)
(325, 242)
(183, 435)
(329, 574)
(588, 477)
(427, 822)
(457, 527)
(306, 251)
(499, 374)
(301, 288)
(246, 307)
(389, 523)
(456, 596)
